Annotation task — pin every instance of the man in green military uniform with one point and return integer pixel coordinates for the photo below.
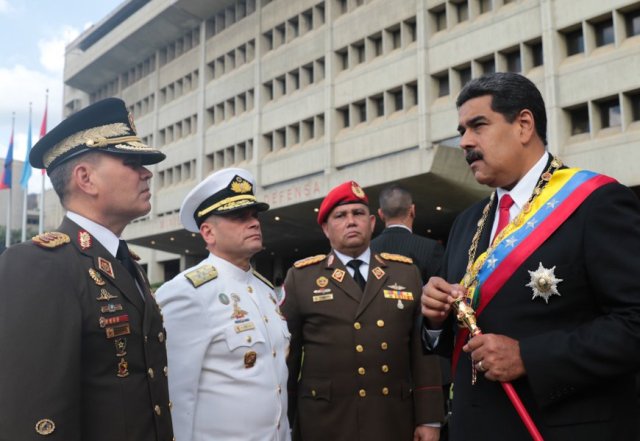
(354, 315)
(81, 337)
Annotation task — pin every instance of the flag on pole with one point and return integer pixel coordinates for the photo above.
(8, 163)
(43, 126)
(26, 168)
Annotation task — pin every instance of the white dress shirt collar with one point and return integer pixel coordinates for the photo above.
(102, 234)
(364, 266)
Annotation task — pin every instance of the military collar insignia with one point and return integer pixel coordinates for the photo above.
(84, 239)
(97, 278)
(105, 266)
(378, 272)
(544, 283)
(330, 260)
(338, 275)
(51, 239)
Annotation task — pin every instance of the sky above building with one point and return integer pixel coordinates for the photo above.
(33, 36)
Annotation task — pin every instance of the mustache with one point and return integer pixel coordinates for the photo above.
(473, 155)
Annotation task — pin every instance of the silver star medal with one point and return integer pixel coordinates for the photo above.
(544, 283)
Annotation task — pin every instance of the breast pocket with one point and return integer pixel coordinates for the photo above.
(242, 337)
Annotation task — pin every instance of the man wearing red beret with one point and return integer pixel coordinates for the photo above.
(354, 315)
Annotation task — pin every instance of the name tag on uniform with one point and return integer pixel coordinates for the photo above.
(323, 298)
(244, 327)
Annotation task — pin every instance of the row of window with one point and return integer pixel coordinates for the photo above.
(452, 12)
(606, 29)
(143, 106)
(231, 107)
(382, 104)
(176, 174)
(294, 134)
(382, 42)
(179, 46)
(228, 156)
(521, 59)
(178, 88)
(609, 112)
(233, 59)
(139, 71)
(178, 130)
(310, 73)
(294, 27)
(233, 13)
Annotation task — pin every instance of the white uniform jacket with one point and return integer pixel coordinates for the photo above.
(226, 350)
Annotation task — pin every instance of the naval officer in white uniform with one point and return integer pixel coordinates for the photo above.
(228, 341)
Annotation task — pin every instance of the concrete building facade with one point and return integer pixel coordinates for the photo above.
(309, 93)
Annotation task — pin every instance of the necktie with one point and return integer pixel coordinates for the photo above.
(124, 257)
(357, 275)
(504, 206)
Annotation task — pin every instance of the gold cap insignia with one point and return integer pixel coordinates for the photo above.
(45, 427)
(357, 190)
(241, 185)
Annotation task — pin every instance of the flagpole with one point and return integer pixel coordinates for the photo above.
(7, 240)
(25, 185)
(43, 131)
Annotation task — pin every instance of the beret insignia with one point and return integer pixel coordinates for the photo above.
(309, 261)
(396, 257)
(263, 278)
(202, 275)
(51, 239)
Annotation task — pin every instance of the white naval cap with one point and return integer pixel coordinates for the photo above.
(222, 192)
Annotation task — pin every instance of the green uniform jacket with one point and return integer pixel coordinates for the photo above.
(364, 375)
(74, 363)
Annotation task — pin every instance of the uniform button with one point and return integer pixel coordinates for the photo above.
(151, 373)
(249, 289)
(361, 371)
(380, 323)
(166, 371)
(313, 392)
(357, 325)
(385, 368)
(146, 338)
(359, 348)
(170, 405)
(279, 389)
(248, 339)
(274, 352)
(362, 393)
(384, 345)
(266, 319)
(161, 337)
(278, 426)
(157, 410)
(385, 391)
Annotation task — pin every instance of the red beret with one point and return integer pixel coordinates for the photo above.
(347, 193)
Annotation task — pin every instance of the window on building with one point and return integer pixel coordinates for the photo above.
(632, 21)
(268, 40)
(396, 100)
(442, 81)
(610, 113)
(395, 39)
(574, 41)
(341, 6)
(634, 102)
(439, 17)
(343, 117)
(535, 50)
(375, 42)
(376, 103)
(579, 119)
(462, 10)
(359, 112)
(604, 32)
(484, 6)
(294, 28)
(410, 30)
(464, 75)
(488, 66)
(306, 22)
(342, 58)
(358, 51)
(514, 61)
(411, 94)
(307, 74)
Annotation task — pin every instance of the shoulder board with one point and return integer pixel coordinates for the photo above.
(396, 257)
(52, 239)
(202, 275)
(263, 278)
(309, 261)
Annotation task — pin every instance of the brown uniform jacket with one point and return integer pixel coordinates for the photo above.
(364, 375)
(65, 367)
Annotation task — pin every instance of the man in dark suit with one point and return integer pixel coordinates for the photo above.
(81, 337)
(355, 316)
(549, 263)
(398, 213)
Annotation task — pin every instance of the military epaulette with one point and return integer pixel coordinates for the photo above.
(396, 257)
(263, 278)
(202, 275)
(52, 239)
(309, 261)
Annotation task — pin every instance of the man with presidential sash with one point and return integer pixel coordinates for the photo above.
(549, 265)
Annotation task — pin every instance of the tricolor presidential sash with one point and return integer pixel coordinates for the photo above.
(564, 193)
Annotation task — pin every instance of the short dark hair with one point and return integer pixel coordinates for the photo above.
(511, 93)
(61, 175)
(395, 201)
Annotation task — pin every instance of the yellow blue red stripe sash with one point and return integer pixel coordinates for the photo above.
(564, 193)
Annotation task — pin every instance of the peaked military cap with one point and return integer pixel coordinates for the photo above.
(105, 126)
(223, 192)
(346, 193)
